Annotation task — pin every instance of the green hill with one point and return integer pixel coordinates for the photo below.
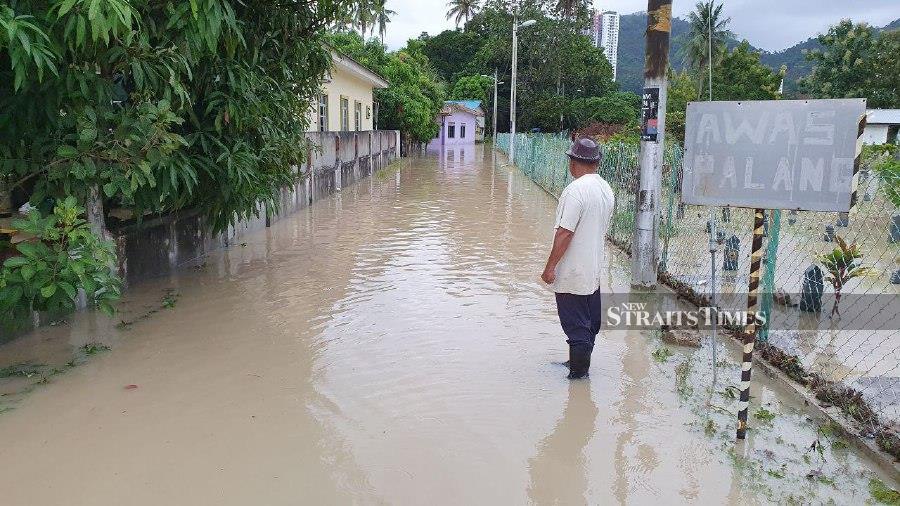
(631, 52)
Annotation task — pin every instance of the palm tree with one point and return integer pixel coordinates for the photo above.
(382, 17)
(705, 20)
(363, 15)
(460, 9)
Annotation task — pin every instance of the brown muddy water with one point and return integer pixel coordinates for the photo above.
(391, 345)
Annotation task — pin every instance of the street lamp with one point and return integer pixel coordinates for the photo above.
(512, 93)
(494, 117)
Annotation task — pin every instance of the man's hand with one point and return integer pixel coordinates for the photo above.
(549, 275)
(561, 240)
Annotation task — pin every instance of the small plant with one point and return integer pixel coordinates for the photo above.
(842, 265)
(662, 355)
(764, 415)
(94, 348)
(710, 428)
(883, 493)
(65, 256)
(170, 299)
(24, 370)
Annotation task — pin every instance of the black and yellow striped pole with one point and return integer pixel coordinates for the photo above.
(750, 330)
(854, 193)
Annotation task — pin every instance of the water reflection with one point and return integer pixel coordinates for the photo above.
(558, 472)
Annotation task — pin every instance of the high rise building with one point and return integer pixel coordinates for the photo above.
(604, 33)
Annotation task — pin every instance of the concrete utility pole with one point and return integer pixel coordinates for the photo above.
(645, 247)
(494, 117)
(512, 93)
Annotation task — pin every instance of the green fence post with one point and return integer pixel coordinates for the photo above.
(768, 280)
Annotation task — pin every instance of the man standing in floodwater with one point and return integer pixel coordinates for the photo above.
(573, 268)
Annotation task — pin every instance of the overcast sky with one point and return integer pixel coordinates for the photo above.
(768, 24)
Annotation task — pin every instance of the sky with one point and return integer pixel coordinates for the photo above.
(768, 24)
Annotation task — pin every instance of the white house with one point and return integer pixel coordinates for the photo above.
(881, 126)
(346, 101)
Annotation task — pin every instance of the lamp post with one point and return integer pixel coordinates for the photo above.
(494, 116)
(512, 93)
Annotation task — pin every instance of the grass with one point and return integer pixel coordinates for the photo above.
(764, 415)
(24, 370)
(662, 355)
(882, 493)
(94, 348)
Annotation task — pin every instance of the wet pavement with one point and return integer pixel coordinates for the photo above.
(389, 345)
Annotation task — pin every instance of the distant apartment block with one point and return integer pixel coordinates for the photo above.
(604, 32)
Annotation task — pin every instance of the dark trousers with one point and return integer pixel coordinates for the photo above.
(580, 316)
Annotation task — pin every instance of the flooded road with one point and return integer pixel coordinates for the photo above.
(389, 345)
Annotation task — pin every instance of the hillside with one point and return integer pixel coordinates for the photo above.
(631, 52)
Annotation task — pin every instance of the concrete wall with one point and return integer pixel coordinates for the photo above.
(160, 246)
(875, 134)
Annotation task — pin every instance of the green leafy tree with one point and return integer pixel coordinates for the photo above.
(617, 108)
(681, 90)
(855, 62)
(451, 51)
(158, 106)
(472, 88)
(740, 76)
(47, 271)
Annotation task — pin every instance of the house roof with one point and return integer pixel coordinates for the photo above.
(472, 107)
(344, 62)
(883, 116)
(468, 104)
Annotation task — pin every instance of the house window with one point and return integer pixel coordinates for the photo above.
(323, 113)
(462, 131)
(345, 114)
(451, 130)
(357, 115)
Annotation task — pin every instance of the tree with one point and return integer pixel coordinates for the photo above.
(706, 24)
(681, 90)
(460, 9)
(741, 76)
(451, 51)
(157, 107)
(855, 62)
(382, 17)
(471, 88)
(616, 108)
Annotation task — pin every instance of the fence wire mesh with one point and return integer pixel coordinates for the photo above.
(851, 359)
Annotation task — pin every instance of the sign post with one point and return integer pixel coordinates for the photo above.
(771, 154)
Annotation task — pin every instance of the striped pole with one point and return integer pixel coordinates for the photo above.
(855, 181)
(750, 331)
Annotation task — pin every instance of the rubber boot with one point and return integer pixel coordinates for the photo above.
(579, 362)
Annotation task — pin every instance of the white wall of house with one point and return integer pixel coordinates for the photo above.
(346, 101)
(875, 134)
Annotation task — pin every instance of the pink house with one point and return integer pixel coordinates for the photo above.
(461, 122)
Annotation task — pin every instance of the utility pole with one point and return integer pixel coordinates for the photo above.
(512, 92)
(494, 117)
(645, 247)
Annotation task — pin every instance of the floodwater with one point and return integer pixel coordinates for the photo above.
(389, 345)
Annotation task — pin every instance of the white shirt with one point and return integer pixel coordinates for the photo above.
(585, 208)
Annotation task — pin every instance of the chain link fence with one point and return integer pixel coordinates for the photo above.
(845, 347)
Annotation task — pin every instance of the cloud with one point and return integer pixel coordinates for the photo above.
(768, 24)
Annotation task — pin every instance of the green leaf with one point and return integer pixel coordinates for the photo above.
(66, 151)
(48, 291)
(15, 262)
(69, 289)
